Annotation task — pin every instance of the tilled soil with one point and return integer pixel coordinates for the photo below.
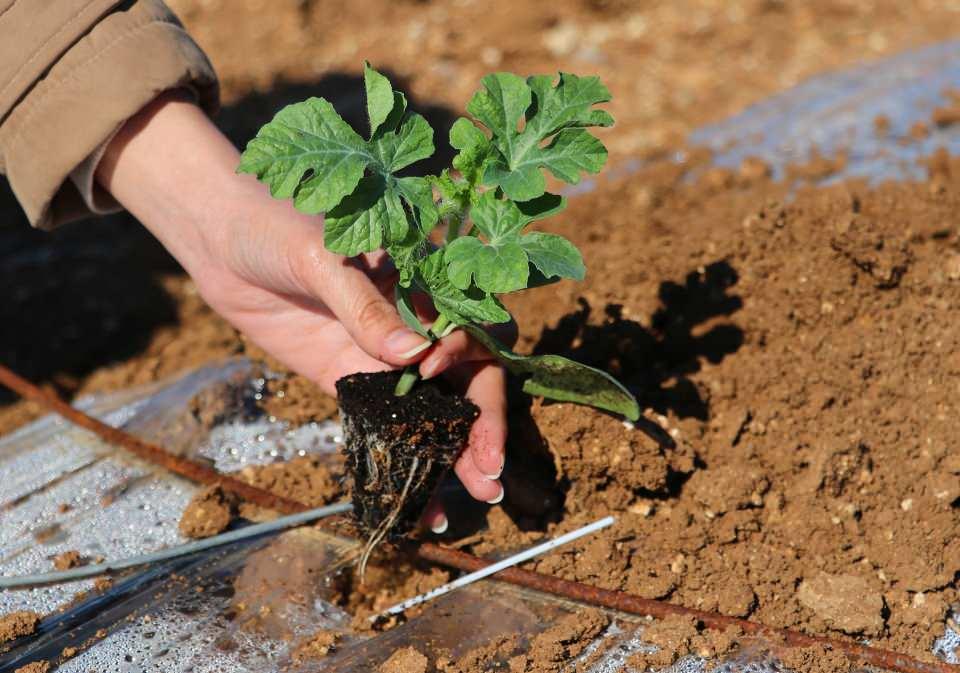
(798, 358)
(799, 353)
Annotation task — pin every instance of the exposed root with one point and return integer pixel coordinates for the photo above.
(385, 525)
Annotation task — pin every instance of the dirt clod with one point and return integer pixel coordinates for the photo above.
(18, 624)
(406, 660)
(317, 646)
(34, 667)
(847, 603)
(68, 559)
(209, 512)
(552, 650)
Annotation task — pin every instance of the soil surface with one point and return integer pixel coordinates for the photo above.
(406, 660)
(800, 354)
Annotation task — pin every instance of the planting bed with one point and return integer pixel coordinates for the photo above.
(795, 348)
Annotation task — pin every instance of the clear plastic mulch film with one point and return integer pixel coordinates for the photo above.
(62, 489)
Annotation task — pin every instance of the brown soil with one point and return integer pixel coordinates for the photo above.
(676, 637)
(17, 624)
(552, 650)
(67, 560)
(34, 667)
(209, 512)
(298, 400)
(406, 660)
(312, 480)
(317, 646)
(802, 356)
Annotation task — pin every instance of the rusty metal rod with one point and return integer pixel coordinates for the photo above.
(152, 453)
(576, 591)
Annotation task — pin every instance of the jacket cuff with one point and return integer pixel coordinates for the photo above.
(65, 121)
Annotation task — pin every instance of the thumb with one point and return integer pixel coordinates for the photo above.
(372, 321)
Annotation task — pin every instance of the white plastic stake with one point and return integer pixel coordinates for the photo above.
(497, 567)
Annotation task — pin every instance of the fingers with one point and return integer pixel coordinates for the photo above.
(480, 465)
(477, 484)
(366, 314)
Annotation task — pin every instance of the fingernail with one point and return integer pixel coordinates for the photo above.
(441, 526)
(405, 341)
(498, 498)
(494, 477)
(431, 368)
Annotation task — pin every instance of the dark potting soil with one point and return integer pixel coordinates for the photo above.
(397, 448)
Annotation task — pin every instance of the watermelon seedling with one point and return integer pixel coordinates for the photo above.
(461, 238)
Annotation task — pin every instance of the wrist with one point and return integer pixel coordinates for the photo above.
(174, 171)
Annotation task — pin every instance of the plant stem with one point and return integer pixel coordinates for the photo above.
(410, 375)
(407, 379)
(438, 327)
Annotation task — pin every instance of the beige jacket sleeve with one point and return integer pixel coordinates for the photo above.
(71, 72)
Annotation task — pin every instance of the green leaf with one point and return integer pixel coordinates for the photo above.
(552, 135)
(568, 104)
(418, 194)
(407, 252)
(498, 267)
(380, 101)
(474, 151)
(459, 306)
(554, 256)
(411, 142)
(500, 106)
(562, 379)
(497, 257)
(308, 153)
(357, 225)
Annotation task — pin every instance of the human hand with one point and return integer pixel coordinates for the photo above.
(262, 265)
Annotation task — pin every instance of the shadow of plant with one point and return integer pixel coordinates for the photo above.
(655, 363)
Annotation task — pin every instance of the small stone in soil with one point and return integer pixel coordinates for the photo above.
(317, 646)
(407, 660)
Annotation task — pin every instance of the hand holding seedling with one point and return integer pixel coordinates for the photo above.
(471, 244)
(262, 265)
(458, 240)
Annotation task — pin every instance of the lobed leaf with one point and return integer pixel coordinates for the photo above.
(497, 256)
(309, 153)
(554, 256)
(536, 125)
(460, 306)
